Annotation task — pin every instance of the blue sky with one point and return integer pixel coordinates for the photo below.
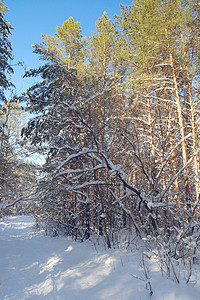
(31, 18)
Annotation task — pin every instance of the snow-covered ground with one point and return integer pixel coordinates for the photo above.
(35, 266)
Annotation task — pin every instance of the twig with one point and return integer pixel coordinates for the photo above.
(146, 276)
(190, 273)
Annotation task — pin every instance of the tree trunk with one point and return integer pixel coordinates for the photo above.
(180, 119)
(174, 163)
(193, 124)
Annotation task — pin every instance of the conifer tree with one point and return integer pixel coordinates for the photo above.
(101, 57)
(154, 30)
(119, 138)
(5, 50)
(5, 68)
(68, 44)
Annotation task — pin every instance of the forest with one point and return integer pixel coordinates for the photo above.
(116, 118)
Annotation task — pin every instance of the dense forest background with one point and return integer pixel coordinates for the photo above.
(116, 117)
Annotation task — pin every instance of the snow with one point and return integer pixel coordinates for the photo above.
(36, 266)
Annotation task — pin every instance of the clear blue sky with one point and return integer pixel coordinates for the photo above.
(31, 18)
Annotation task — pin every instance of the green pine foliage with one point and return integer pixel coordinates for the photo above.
(68, 44)
(5, 50)
(114, 114)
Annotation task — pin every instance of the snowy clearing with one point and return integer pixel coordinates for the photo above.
(35, 266)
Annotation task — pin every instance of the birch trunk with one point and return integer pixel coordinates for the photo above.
(193, 123)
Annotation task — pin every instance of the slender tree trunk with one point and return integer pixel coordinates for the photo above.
(180, 119)
(152, 147)
(69, 54)
(174, 163)
(162, 143)
(193, 124)
(123, 131)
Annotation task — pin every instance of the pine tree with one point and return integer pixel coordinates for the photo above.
(101, 57)
(68, 45)
(5, 50)
(120, 140)
(154, 31)
(5, 56)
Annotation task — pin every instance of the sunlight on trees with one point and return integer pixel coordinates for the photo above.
(117, 115)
